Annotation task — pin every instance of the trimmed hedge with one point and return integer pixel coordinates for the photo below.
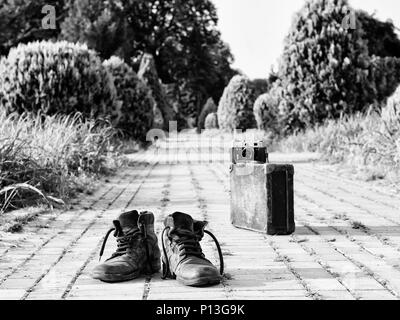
(211, 121)
(209, 107)
(134, 115)
(266, 109)
(391, 112)
(58, 77)
(235, 109)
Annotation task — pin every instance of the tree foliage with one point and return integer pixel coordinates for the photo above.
(134, 112)
(326, 70)
(21, 22)
(148, 74)
(181, 35)
(260, 86)
(380, 36)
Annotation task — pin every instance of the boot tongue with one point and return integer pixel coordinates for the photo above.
(199, 227)
(129, 220)
(180, 221)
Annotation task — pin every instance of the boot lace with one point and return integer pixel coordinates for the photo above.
(124, 241)
(188, 245)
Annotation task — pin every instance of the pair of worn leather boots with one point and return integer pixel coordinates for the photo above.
(138, 252)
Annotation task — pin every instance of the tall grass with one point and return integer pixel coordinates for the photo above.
(368, 141)
(50, 158)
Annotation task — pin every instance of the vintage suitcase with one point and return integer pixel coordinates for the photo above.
(262, 197)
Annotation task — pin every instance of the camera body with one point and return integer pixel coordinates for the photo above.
(243, 152)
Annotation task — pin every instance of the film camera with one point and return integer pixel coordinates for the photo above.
(249, 152)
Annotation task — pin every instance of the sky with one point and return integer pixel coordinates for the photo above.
(255, 29)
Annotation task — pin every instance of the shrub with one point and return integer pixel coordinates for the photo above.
(235, 109)
(59, 77)
(260, 86)
(53, 155)
(148, 74)
(391, 112)
(364, 141)
(327, 70)
(209, 107)
(266, 109)
(134, 115)
(211, 121)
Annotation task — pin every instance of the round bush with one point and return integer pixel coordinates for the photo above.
(235, 109)
(58, 77)
(391, 112)
(134, 114)
(209, 107)
(211, 121)
(266, 111)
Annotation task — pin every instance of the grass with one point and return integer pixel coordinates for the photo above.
(14, 221)
(368, 143)
(51, 158)
(358, 225)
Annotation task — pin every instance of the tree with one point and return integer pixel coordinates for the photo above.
(148, 75)
(21, 22)
(380, 36)
(134, 115)
(181, 35)
(260, 86)
(326, 70)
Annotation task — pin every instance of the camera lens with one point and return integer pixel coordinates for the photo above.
(248, 154)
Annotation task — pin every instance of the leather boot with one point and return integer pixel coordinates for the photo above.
(137, 252)
(182, 257)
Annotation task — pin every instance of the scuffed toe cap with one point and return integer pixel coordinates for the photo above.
(199, 275)
(109, 270)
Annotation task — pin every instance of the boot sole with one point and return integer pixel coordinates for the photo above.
(112, 278)
(200, 282)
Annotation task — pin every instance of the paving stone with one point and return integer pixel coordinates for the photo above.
(327, 258)
(335, 295)
(376, 295)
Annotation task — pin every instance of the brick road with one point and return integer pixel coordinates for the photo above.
(347, 243)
